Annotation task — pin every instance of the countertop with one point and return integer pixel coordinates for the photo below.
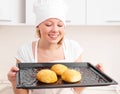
(102, 90)
(6, 88)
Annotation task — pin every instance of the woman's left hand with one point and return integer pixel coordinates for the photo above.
(100, 67)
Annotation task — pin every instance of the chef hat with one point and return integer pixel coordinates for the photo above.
(45, 9)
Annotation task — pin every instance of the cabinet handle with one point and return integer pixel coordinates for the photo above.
(68, 21)
(113, 21)
(5, 20)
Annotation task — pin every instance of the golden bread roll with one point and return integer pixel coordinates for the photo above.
(46, 76)
(71, 76)
(59, 68)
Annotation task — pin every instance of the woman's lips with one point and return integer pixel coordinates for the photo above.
(53, 36)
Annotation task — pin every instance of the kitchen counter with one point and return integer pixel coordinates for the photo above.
(5, 88)
(101, 90)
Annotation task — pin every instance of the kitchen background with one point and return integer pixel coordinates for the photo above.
(95, 26)
(101, 44)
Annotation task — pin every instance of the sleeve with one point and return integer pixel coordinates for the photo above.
(24, 53)
(73, 49)
(20, 54)
(76, 49)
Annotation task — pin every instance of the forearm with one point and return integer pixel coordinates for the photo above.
(78, 90)
(18, 91)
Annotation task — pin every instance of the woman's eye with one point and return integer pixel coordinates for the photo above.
(48, 25)
(60, 25)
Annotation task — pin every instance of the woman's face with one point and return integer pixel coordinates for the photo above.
(51, 30)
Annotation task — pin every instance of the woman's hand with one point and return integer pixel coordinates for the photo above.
(12, 74)
(12, 78)
(100, 67)
(78, 90)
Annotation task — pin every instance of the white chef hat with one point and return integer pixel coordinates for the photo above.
(45, 9)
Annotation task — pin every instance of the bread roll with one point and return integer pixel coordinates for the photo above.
(46, 76)
(59, 68)
(71, 76)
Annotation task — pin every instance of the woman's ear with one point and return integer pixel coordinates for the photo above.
(38, 32)
(37, 26)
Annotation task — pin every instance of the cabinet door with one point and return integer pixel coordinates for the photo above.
(103, 12)
(12, 12)
(75, 15)
(4, 11)
(30, 16)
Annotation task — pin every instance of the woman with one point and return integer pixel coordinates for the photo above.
(52, 46)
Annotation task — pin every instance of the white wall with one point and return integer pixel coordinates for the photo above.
(101, 45)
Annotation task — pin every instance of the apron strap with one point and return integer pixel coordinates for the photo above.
(36, 46)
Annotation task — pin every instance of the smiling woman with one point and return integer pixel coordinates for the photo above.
(51, 30)
(51, 46)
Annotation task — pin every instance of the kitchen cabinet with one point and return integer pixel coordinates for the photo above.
(103, 12)
(13, 12)
(30, 16)
(81, 12)
(21, 12)
(4, 11)
(75, 15)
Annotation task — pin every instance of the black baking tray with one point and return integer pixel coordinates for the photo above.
(91, 76)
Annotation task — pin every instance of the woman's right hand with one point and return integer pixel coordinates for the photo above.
(12, 74)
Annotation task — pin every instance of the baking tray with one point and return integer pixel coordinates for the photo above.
(91, 76)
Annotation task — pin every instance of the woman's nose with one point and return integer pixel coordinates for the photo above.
(55, 29)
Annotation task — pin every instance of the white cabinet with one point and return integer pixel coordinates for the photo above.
(4, 10)
(103, 12)
(75, 15)
(81, 12)
(12, 12)
(30, 16)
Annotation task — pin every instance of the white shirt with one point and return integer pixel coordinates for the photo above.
(72, 51)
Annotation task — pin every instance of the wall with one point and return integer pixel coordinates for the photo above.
(101, 45)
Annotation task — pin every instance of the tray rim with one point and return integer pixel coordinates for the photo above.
(113, 82)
